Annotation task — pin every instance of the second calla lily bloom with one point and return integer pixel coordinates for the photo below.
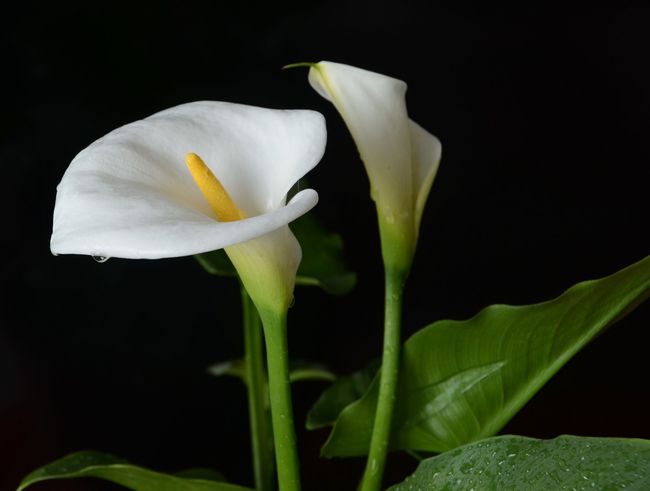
(401, 158)
(130, 193)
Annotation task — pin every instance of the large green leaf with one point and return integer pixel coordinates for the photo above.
(110, 468)
(322, 262)
(518, 463)
(461, 381)
(335, 398)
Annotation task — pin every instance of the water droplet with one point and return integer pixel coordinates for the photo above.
(293, 301)
(101, 259)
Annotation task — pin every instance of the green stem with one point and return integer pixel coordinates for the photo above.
(275, 333)
(380, 440)
(261, 439)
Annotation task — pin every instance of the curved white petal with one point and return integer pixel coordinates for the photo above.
(426, 152)
(147, 225)
(373, 107)
(130, 195)
(257, 153)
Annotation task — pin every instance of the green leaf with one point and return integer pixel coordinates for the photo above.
(342, 392)
(513, 462)
(233, 368)
(322, 257)
(461, 381)
(217, 263)
(299, 370)
(109, 468)
(201, 473)
(322, 262)
(302, 64)
(305, 370)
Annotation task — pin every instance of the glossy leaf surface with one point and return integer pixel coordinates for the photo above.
(345, 390)
(110, 468)
(513, 462)
(462, 381)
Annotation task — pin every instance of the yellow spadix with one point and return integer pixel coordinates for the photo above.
(222, 204)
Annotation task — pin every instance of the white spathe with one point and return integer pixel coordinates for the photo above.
(400, 157)
(130, 195)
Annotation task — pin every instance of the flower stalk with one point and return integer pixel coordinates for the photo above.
(261, 435)
(389, 373)
(275, 334)
(401, 159)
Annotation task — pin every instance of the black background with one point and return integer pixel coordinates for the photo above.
(544, 115)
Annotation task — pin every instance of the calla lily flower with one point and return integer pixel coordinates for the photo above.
(400, 157)
(130, 194)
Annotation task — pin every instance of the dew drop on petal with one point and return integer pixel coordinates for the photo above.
(101, 259)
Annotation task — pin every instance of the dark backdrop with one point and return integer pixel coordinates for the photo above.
(544, 116)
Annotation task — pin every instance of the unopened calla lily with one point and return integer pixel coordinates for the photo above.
(130, 194)
(400, 157)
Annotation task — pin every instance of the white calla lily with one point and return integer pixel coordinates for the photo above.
(401, 160)
(130, 194)
(400, 157)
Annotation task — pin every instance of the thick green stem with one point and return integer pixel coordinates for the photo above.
(261, 439)
(275, 333)
(380, 440)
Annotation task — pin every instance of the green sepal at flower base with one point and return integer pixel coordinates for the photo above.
(322, 263)
(461, 381)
